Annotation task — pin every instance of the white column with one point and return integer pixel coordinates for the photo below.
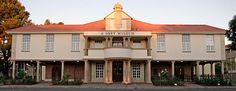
(37, 71)
(124, 72)
(110, 71)
(13, 69)
(86, 71)
(197, 69)
(203, 73)
(222, 68)
(173, 69)
(62, 69)
(128, 72)
(148, 71)
(211, 69)
(106, 73)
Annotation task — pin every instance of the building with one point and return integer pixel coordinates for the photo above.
(230, 63)
(117, 48)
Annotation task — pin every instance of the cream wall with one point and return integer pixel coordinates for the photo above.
(62, 48)
(173, 44)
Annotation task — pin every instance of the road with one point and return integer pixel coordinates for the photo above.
(87, 89)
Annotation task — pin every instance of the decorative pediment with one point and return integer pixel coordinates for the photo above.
(118, 19)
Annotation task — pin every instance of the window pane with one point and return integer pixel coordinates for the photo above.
(160, 42)
(75, 42)
(49, 42)
(26, 42)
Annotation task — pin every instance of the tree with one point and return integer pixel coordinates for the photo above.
(231, 33)
(48, 22)
(12, 15)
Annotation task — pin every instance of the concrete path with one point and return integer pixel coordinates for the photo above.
(113, 86)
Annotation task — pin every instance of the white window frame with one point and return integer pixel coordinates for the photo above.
(137, 44)
(49, 43)
(186, 47)
(75, 42)
(136, 70)
(25, 42)
(98, 44)
(99, 70)
(161, 42)
(210, 45)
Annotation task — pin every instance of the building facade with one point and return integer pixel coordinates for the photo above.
(117, 48)
(230, 63)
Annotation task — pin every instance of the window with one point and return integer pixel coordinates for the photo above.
(160, 42)
(210, 43)
(186, 42)
(98, 44)
(117, 42)
(49, 42)
(136, 70)
(137, 44)
(26, 43)
(99, 70)
(75, 42)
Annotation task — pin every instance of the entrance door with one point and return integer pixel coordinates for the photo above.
(117, 71)
(56, 72)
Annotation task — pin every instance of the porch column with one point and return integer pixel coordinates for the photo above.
(222, 67)
(203, 73)
(110, 71)
(124, 42)
(13, 69)
(128, 72)
(211, 69)
(86, 46)
(106, 42)
(173, 69)
(128, 43)
(148, 46)
(110, 42)
(86, 71)
(62, 69)
(148, 71)
(197, 69)
(106, 72)
(37, 71)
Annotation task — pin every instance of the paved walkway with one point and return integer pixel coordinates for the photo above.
(113, 86)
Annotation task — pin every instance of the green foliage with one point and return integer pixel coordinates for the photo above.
(164, 80)
(48, 22)
(12, 15)
(21, 75)
(212, 81)
(66, 81)
(231, 33)
(29, 80)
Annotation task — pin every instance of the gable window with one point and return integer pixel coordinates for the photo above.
(26, 43)
(99, 70)
(49, 42)
(136, 70)
(98, 44)
(136, 44)
(75, 42)
(161, 42)
(210, 47)
(186, 43)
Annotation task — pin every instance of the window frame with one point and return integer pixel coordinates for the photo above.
(50, 39)
(210, 43)
(186, 43)
(26, 43)
(136, 70)
(75, 41)
(99, 72)
(161, 42)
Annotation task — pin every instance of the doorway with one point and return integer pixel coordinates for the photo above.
(117, 71)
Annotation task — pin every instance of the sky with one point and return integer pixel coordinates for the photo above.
(210, 12)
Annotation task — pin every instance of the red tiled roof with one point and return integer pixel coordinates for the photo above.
(135, 26)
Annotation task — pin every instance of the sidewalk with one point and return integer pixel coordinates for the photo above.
(113, 86)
